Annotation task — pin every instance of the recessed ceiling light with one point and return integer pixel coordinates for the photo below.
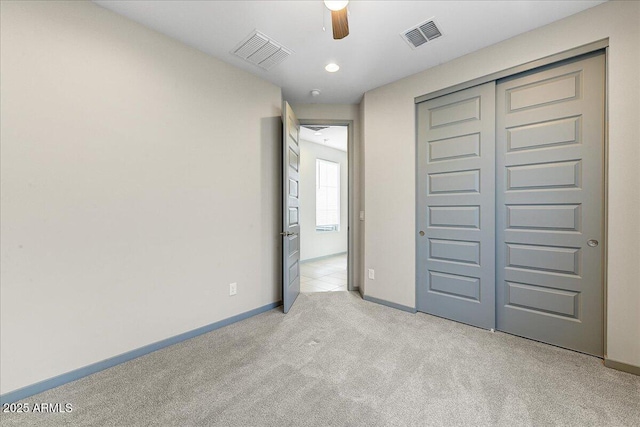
(318, 133)
(315, 92)
(332, 68)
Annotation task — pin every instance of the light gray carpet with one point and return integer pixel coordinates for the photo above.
(337, 360)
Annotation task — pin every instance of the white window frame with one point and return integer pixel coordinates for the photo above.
(324, 221)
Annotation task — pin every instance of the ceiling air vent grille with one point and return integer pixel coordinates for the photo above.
(262, 51)
(430, 30)
(415, 37)
(422, 33)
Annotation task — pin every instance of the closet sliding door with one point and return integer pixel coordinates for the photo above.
(455, 206)
(510, 205)
(550, 148)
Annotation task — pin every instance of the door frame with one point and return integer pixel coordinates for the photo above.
(600, 45)
(350, 193)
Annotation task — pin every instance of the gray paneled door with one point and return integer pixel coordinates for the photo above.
(291, 207)
(550, 205)
(456, 203)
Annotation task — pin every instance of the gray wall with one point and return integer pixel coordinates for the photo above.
(315, 244)
(389, 125)
(139, 178)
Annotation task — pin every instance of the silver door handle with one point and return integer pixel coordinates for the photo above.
(288, 233)
(592, 243)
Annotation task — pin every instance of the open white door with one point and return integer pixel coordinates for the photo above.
(290, 207)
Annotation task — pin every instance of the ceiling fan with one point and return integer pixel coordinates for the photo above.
(339, 19)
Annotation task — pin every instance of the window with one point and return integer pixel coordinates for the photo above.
(327, 195)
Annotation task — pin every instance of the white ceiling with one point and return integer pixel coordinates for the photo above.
(333, 136)
(372, 55)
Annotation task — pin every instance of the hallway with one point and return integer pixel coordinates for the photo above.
(324, 275)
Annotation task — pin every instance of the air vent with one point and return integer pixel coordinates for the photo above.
(260, 50)
(421, 33)
(316, 128)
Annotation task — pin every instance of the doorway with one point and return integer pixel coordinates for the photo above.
(324, 207)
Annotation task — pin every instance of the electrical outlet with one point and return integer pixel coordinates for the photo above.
(372, 274)
(233, 289)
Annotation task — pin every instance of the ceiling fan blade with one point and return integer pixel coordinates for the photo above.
(339, 23)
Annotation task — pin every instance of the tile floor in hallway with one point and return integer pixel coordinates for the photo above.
(324, 275)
